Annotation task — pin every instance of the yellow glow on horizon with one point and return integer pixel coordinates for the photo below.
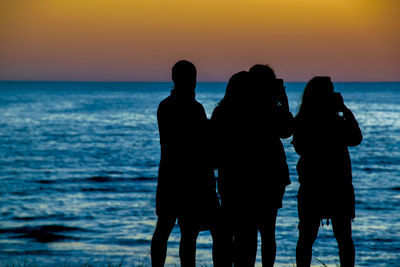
(135, 39)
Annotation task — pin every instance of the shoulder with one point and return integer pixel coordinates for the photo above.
(216, 113)
(164, 106)
(198, 107)
(166, 102)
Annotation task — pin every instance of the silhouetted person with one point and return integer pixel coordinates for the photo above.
(252, 170)
(321, 138)
(186, 187)
(227, 120)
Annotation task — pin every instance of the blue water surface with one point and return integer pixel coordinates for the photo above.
(78, 173)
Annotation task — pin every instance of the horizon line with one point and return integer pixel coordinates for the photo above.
(147, 81)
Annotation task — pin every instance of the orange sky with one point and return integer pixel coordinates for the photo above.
(139, 40)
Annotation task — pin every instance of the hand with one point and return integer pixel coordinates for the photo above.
(340, 102)
(282, 98)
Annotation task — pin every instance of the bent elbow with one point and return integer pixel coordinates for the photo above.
(356, 140)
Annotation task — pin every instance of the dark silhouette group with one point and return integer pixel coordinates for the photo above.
(242, 141)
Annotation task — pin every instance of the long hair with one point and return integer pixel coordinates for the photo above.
(317, 98)
(263, 71)
(235, 89)
(263, 85)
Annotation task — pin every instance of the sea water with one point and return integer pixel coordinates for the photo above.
(78, 174)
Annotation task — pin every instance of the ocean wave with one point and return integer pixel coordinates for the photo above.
(43, 233)
(131, 242)
(98, 189)
(100, 179)
(97, 179)
(50, 217)
(42, 228)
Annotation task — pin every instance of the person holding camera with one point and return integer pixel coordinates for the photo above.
(321, 137)
(252, 170)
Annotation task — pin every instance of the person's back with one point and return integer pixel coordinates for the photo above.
(321, 138)
(186, 184)
(184, 171)
(270, 121)
(251, 153)
(252, 168)
(253, 161)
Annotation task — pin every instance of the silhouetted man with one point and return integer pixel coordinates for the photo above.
(186, 183)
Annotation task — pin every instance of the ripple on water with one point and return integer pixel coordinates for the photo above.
(43, 233)
(85, 156)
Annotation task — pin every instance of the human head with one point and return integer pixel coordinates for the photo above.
(263, 72)
(263, 82)
(235, 89)
(184, 75)
(317, 97)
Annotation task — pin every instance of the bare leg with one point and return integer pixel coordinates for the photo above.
(216, 249)
(308, 232)
(165, 224)
(245, 244)
(268, 244)
(222, 236)
(342, 231)
(187, 247)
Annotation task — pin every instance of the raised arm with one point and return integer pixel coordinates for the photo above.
(353, 135)
(284, 124)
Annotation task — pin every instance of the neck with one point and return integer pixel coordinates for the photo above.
(183, 93)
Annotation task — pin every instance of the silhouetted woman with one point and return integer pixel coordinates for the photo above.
(321, 138)
(186, 187)
(252, 171)
(227, 120)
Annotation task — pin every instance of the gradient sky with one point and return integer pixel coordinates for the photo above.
(140, 40)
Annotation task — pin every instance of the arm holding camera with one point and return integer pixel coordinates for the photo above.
(284, 116)
(281, 96)
(353, 135)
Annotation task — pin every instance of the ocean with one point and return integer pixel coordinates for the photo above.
(78, 174)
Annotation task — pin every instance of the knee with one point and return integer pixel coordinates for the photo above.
(268, 239)
(344, 240)
(189, 235)
(308, 234)
(306, 240)
(160, 235)
(268, 233)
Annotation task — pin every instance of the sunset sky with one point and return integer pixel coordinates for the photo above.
(140, 40)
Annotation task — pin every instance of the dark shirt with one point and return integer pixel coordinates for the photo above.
(324, 166)
(251, 161)
(186, 183)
